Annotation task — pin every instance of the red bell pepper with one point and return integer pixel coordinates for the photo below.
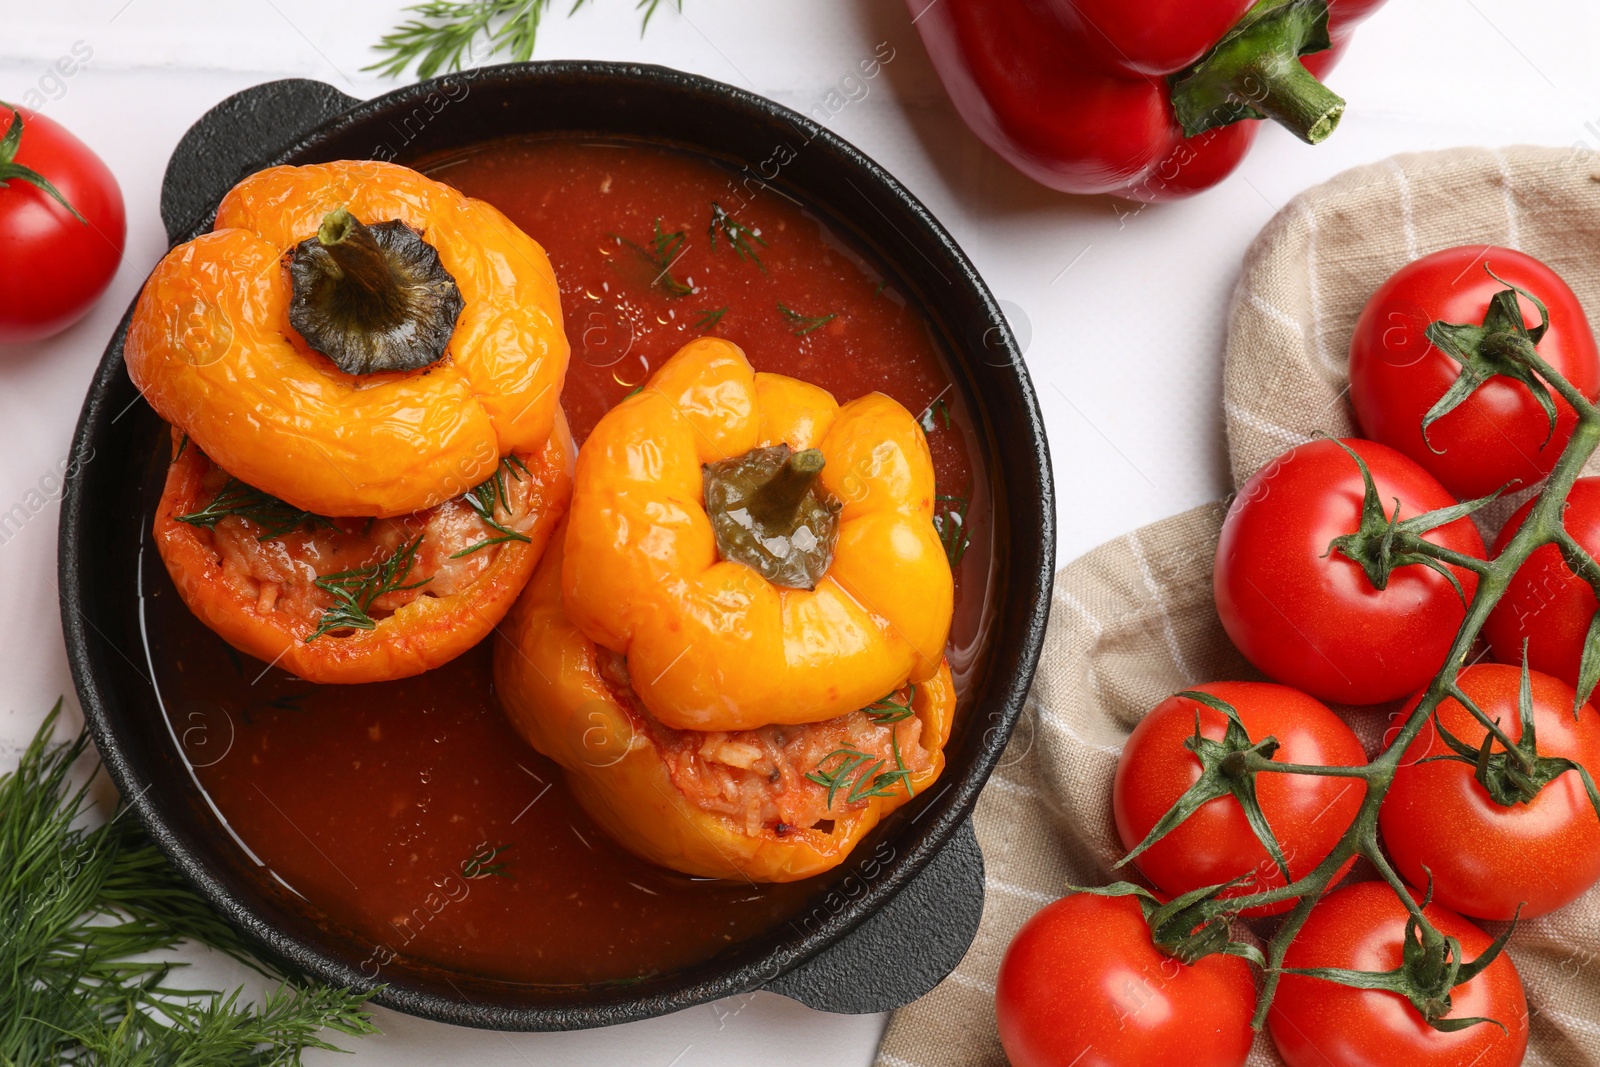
(1145, 99)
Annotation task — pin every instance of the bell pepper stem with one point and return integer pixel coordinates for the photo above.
(366, 283)
(1255, 72)
(1281, 88)
(777, 502)
(372, 298)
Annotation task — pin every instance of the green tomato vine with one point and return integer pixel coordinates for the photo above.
(1196, 923)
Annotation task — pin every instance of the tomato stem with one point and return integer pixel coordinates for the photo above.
(13, 171)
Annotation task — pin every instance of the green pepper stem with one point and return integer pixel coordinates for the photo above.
(1255, 71)
(777, 502)
(1281, 88)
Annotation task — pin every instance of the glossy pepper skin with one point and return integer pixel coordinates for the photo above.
(710, 644)
(1079, 94)
(211, 348)
(552, 689)
(418, 636)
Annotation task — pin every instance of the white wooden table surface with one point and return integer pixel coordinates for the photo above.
(1121, 313)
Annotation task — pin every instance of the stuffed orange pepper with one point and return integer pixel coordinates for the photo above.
(345, 600)
(361, 367)
(353, 338)
(774, 803)
(756, 553)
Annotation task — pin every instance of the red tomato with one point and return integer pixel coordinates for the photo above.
(1546, 604)
(1498, 435)
(53, 267)
(1310, 618)
(1316, 1023)
(1485, 858)
(1082, 984)
(1215, 844)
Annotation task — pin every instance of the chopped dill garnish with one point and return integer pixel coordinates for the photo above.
(480, 865)
(183, 443)
(275, 517)
(905, 775)
(710, 317)
(355, 590)
(635, 391)
(665, 250)
(804, 324)
(738, 235)
(859, 781)
(888, 710)
(92, 911)
(933, 414)
(441, 33)
(950, 522)
(488, 495)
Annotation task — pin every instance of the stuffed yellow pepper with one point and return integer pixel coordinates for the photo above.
(755, 551)
(737, 649)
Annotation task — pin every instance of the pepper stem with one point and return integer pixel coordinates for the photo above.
(777, 502)
(768, 512)
(372, 298)
(365, 284)
(1281, 88)
(1255, 72)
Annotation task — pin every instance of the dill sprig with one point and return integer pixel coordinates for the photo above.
(888, 710)
(802, 323)
(665, 249)
(933, 414)
(950, 522)
(354, 591)
(737, 234)
(441, 33)
(82, 905)
(489, 494)
(274, 516)
(710, 317)
(852, 775)
(482, 865)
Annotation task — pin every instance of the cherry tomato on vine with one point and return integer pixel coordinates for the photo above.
(1310, 617)
(1546, 604)
(1486, 857)
(58, 251)
(1082, 984)
(1317, 1023)
(1216, 844)
(1500, 433)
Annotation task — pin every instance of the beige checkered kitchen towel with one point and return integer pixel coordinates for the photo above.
(1133, 620)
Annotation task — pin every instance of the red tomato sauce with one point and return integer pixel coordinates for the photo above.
(409, 812)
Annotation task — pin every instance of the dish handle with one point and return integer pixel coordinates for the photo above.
(906, 947)
(230, 140)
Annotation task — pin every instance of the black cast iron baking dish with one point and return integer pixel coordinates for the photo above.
(887, 925)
